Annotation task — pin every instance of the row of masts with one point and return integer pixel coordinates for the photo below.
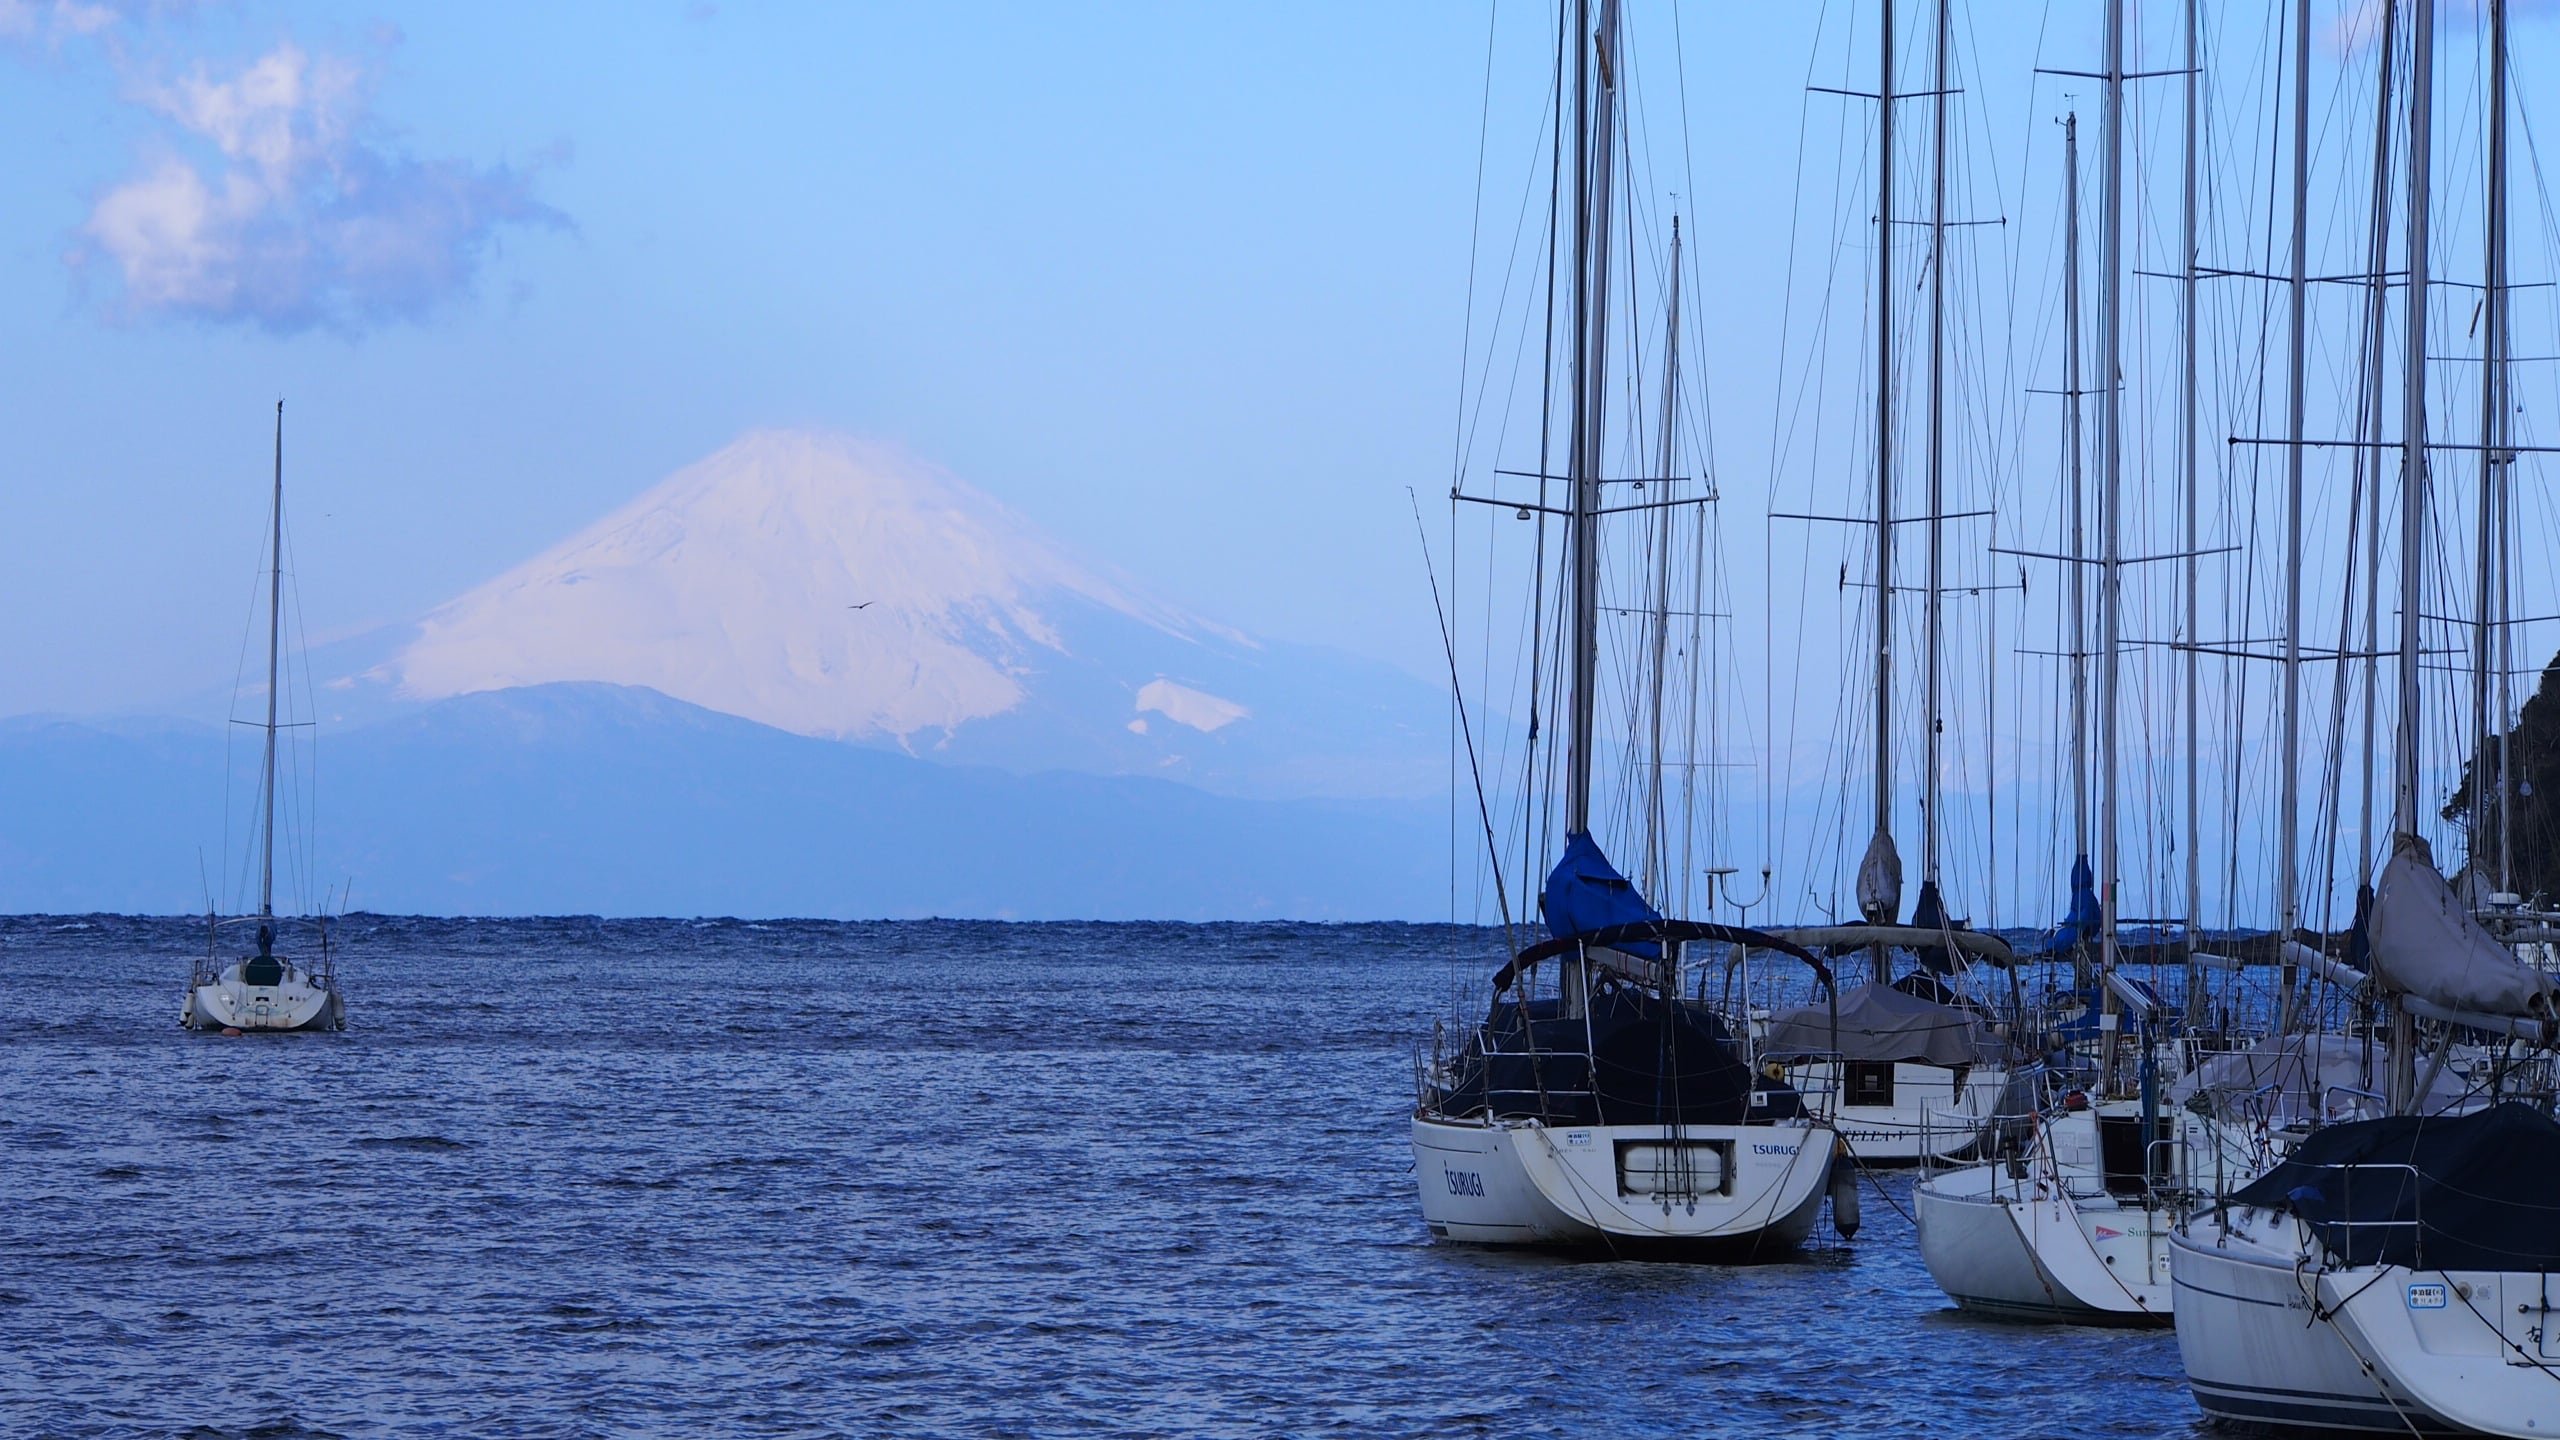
(2096, 819)
(2492, 654)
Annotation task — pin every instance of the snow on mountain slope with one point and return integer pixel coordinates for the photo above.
(816, 583)
(838, 588)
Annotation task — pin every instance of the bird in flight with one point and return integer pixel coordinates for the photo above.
(865, 605)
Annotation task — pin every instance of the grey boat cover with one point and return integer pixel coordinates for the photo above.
(1878, 1022)
(2287, 1078)
(1880, 881)
(2425, 943)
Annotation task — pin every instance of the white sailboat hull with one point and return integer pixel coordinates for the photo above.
(297, 1001)
(2261, 1344)
(2026, 1249)
(1908, 1135)
(1936, 1115)
(1522, 1182)
(2473, 1347)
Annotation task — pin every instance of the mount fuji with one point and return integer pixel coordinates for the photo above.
(806, 676)
(841, 589)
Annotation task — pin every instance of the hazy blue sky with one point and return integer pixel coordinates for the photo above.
(1182, 282)
(1185, 283)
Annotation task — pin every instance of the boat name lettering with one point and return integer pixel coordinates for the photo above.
(1773, 1149)
(1464, 1182)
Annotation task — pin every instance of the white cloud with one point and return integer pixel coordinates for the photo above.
(272, 202)
(53, 20)
(56, 26)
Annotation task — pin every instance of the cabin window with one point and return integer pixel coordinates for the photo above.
(1870, 1082)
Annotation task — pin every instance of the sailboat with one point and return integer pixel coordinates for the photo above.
(263, 990)
(1596, 1104)
(1916, 1071)
(2395, 1274)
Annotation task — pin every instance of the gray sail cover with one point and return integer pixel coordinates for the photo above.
(1880, 881)
(1878, 1022)
(2287, 1078)
(2426, 944)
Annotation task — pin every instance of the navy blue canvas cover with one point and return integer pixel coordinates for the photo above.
(2475, 1192)
(1586, 893)
(1930, 913)
(2081, 925)
(1635, 1059)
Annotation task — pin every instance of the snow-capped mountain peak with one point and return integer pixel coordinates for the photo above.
(840, 588)
(818, 583)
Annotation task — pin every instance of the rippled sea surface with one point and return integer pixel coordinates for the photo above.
(574, 1178)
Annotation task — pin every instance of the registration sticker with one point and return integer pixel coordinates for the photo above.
(1577, 1137)
(2426, 1297)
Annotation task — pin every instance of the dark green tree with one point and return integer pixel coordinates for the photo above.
(2533, 750)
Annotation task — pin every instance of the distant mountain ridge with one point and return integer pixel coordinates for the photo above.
(613, 800)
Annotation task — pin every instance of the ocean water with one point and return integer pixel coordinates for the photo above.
(584, 1178)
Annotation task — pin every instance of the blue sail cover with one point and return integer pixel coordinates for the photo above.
(1586, 893)
(2081, 925)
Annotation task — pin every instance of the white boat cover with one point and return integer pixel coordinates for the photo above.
(1878, 1022)
(2426, 944)
(2286, 1078)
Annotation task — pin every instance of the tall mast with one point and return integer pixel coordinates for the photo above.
(2487, 724)
(2498, 299)
(1655, 852)
(2288, 842)
(2110, 485)
(275, 625)
(2413, 420)
(2413, 501)
(2079, 594)
(1595, 123)
(1931, 901)
(1880, 902)
(2193, 540)
(2376, 324)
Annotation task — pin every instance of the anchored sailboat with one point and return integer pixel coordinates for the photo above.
(1595, 1103)
(266, 991)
